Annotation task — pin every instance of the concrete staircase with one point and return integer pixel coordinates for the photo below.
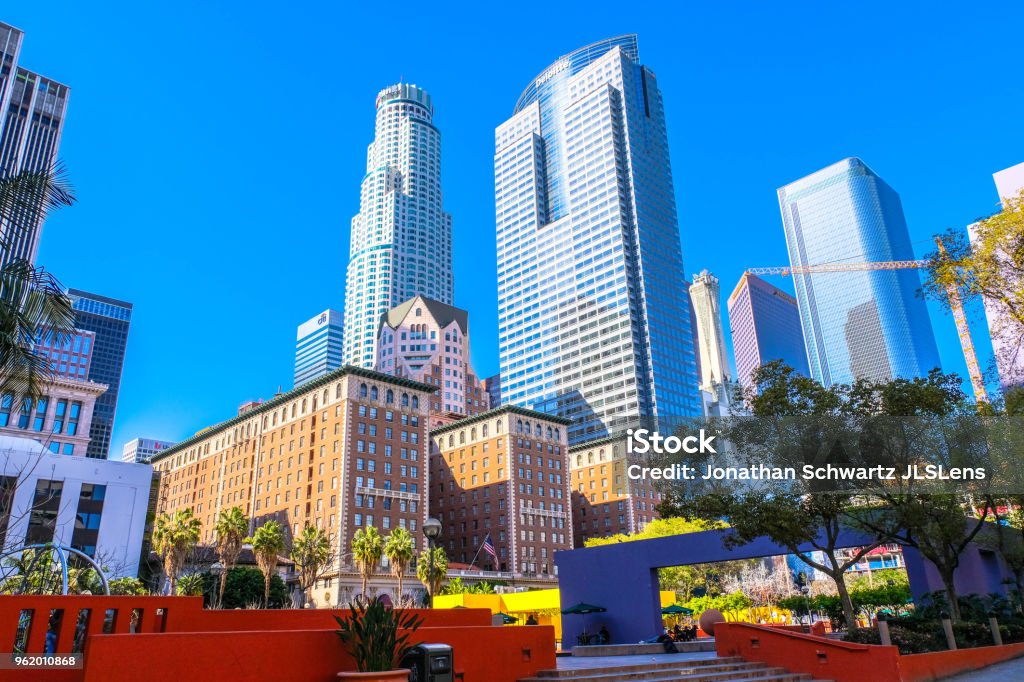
(731, 669)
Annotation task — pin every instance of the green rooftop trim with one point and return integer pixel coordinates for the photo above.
(504, 409)
(596, 442)
(312, 384)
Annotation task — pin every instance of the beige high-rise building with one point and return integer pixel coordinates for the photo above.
(714, 362)
(342, 452)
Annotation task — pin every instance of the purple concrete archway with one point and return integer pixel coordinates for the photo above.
(623, 577)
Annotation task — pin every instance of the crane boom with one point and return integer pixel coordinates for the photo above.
(785, 271)
(955, 304)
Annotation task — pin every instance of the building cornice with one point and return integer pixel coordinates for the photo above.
(504, 409)
(311, 385)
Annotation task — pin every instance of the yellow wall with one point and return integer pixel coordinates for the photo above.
(545, 605)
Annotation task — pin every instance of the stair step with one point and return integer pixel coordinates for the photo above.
(681, 672)
(648, 666)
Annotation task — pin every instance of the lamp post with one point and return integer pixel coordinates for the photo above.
(431, 529)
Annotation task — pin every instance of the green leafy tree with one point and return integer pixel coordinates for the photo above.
(267, 544)
(399, 551)
(232, 527)
(801, 422)
(796, 416)
(174, 537)
(311, 552)
(990, 268)
(32, 302)
(244, 587)
(936, 521)
(367, 549)
(432, 568)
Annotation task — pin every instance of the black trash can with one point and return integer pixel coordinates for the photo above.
(429, 663)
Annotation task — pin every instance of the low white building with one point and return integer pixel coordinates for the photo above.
(97, 506)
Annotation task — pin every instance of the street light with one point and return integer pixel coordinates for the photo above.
(432, 529)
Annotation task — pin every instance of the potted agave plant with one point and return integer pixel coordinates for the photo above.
(377, 635)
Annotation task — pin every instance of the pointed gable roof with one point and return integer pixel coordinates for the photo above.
(442, 313)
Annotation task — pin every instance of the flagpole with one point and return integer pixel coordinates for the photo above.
(473, 562)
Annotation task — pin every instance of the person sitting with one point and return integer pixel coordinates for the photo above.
(605, 636)
(531, 620)
(666, 641)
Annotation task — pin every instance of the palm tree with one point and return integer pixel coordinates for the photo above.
(267, 543)
(311, 552)
(431, 569)
(174, 536)
(399, 551)
(32, 301)
(232, 527)
(367, 548)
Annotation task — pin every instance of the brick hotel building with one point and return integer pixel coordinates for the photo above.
(341, 452)
(605, 501)
(503, 473)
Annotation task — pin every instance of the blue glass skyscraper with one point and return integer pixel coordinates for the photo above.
(869, 324)
(110, 319)
(593, 316)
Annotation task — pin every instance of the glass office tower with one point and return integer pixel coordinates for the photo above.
(869, 324)
(401, 244)
(593, 316)
(318, 346)
(32, 110)
(110, 319)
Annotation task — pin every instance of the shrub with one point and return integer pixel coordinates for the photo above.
(971, 634)
(907, 641)
(1011, 632)
(127, 586)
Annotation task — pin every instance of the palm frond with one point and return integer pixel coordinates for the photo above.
(31, 193)
(32, 302)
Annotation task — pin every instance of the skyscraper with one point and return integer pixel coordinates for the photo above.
(110, 319)
(716, 382)
(868, 324)
(705, 295)
(592, 306)
(33, 109)
(318, 346)
(765, 326)
(401, 242)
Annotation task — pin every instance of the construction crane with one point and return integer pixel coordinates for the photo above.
(955, 304)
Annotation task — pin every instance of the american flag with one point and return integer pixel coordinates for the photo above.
(489, 547)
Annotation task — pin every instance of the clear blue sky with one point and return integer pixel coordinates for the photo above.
(217, 151)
